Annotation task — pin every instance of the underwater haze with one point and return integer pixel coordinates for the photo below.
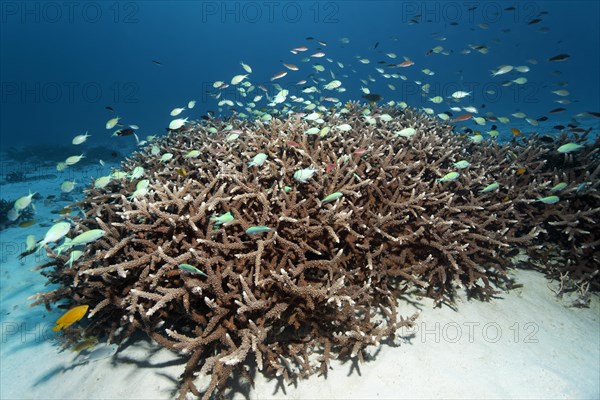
(63, 63)
(219, 199)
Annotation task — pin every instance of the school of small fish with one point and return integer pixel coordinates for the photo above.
(310, 83)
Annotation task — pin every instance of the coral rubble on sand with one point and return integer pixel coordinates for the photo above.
(359, 214)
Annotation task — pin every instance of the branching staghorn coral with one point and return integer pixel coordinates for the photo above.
(375, 221)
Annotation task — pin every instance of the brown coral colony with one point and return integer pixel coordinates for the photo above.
(325, 280)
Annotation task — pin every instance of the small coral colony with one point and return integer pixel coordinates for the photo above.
(283, 231)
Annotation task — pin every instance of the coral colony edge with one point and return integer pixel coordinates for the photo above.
(279, 246)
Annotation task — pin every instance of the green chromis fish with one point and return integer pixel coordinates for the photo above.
(191, 269)
(102, 182)
(476, 139)
(582, 186)
(30, 242)
(223, 219)
(136, 173)
(558, 187)
(569, 148)
(67, 186)
(74, 256)
(302, 175)
(143, 184)
(166, 157)
(253, 230)
(82, 239)
(490, 187)
(55, 233)
(23, 202)
(138, 193)
(549, 199)
(87, 237)
(258, 160)
(462, 164)
(449, 177)
(406, 132)
(332, 197)
(119, 174)
(192, 154)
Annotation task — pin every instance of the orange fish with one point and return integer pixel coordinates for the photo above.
(70, 317)
(406, 63)
(521, 171)
(515, 131)
(463, 117)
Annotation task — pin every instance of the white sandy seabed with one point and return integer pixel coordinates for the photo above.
(525, 344)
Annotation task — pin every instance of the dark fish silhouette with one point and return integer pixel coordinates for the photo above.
(124, 132)
(560, 57)
(557, 110)
(372, 97)
(156, 62)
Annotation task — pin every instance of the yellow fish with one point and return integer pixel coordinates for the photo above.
(70, 317)
(182, 171)
(27, 223)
